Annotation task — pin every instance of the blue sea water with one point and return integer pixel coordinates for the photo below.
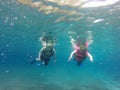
(22, 23)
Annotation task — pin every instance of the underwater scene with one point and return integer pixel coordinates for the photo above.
(59, 44)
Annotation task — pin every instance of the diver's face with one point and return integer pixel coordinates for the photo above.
(49, 44)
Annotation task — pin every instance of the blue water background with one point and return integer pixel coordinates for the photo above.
(19, 44)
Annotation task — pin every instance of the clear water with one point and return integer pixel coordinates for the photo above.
(21, 25)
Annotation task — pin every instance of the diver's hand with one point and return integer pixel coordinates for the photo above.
(69, 59)
(91, 59)
(37, 59)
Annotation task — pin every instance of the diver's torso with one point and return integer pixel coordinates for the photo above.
(46, 53)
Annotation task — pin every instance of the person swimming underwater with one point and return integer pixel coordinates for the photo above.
(80, 51)
(47, 51)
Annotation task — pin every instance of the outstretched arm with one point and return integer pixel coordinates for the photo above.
(38, 59)
(71, 55)
(54, 55)
(90, 56)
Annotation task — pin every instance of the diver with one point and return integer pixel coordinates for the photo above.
(80, 51)
(47, 51)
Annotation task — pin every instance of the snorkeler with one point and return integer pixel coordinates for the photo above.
(80, 51)
(45, 54)
(47, 51)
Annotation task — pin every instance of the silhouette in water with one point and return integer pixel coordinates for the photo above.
(80, 51)
(47, 51)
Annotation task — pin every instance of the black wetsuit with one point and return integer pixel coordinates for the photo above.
(46, 55)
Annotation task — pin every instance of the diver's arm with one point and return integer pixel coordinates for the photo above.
(38, 59)
(90, 56)
(54, 55)
(71, 55)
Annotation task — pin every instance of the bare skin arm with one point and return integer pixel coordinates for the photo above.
(38, 59)
(54, 55)
(71, 55)
(90, 56)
